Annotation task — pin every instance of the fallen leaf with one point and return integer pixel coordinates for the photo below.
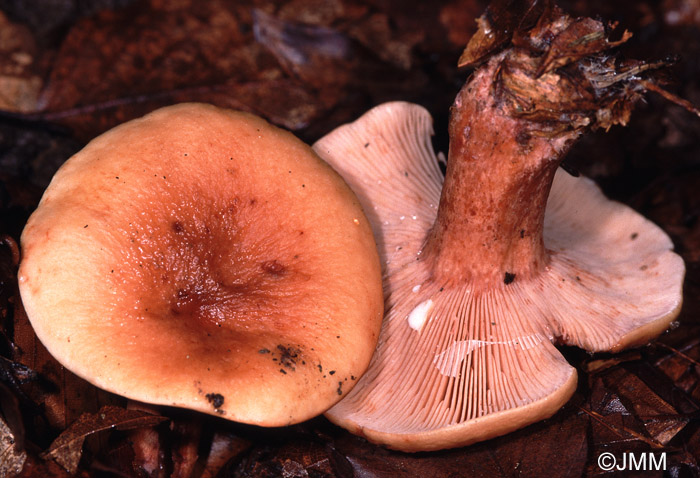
(583, 37)
(661, 420)
(306, 50)
(498, 24)
(35, 467)
(67, 448)
(129, 61)
(12, 455)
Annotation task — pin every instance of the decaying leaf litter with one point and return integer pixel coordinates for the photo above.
(655, 171)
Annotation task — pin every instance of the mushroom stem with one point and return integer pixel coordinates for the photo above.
(461, 357)
(491, 212)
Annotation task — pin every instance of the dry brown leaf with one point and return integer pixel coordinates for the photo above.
(12, 456)
(67, 448)
(499, 23)
(121, 64)
(661, 420)
(583, 37)
(35, 467)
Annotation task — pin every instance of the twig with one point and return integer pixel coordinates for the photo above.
(650, 86)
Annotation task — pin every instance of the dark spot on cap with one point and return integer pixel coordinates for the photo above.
(216, 399)
(264, 351)
(634, 236)
(522, 233)
(508, 278)
(340, 388)
(288, 356)
(177, 227)
(331, 372)
(366, 145)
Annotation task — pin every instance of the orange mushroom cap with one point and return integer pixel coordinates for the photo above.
(203, 258)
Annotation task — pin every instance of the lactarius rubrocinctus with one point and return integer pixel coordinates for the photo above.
(486, 269)
(203, 258)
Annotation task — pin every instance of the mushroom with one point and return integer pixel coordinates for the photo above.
(485, 270)
(203, 258)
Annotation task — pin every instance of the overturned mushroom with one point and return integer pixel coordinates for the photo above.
(483, 274)
(204, 258)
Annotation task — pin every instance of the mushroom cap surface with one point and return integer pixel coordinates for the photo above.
(203, 258)
(456, 364)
